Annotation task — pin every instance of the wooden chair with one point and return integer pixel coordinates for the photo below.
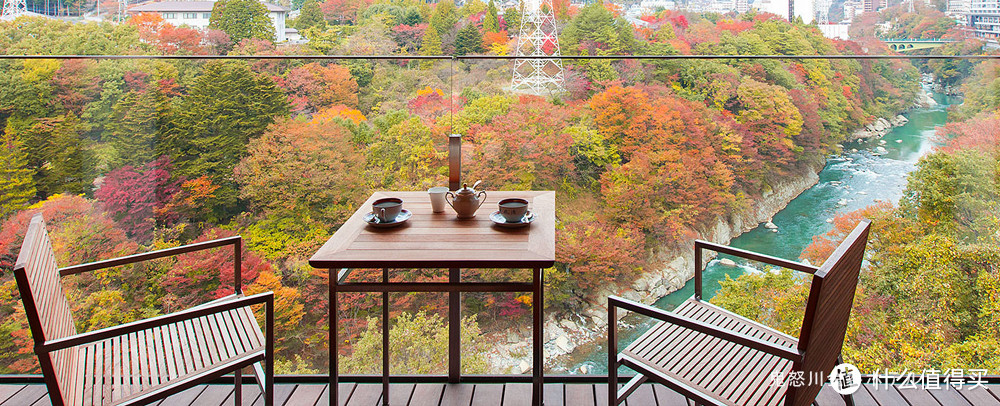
(715, 357)
(146, 360)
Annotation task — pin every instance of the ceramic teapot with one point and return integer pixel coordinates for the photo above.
(466, 200)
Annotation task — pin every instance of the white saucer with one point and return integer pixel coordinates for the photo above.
(401, 218)
(499, 220)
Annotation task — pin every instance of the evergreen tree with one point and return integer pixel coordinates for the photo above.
(242, 19)
(15, 179)
(56, 154)
(444, 18)
(311, 16)
(491, 22)
(134, 128)
(512, 18)
(469, 41)
(430, 45)
(227, 106)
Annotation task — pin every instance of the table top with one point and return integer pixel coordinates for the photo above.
(442, 240)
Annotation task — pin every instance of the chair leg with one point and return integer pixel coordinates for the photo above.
(238, 390)
(612, 355)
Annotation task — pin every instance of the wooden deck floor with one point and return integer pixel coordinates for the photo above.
(505, 394)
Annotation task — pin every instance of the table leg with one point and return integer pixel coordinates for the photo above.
(454, 328)
(385, 340)
(334, 393)
(538, 364)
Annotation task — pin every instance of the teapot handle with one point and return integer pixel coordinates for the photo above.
(481, 199)
(449, 201)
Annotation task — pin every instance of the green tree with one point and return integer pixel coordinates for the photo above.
(57, 154)
(311, 16)
(418, 344)
(512, 17)
(242, 19)
(469, 41)
(134, 128)
(430, 45)
(228, 106)
(15, 178)
(444, 17)
(491, 22)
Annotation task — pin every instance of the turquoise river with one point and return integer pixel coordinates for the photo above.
(855, 179)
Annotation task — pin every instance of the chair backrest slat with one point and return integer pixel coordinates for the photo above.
(828, 311)
(45, 305)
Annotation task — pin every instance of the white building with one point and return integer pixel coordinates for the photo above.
(835, 31)
(195, 14)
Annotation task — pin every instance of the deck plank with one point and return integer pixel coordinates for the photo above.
(516, 394)
(668, 397)
(580, 395)
(281, 393)
(343, 394)
(27, 395)
(643, 396)
(828, 397)
(980, 396)
(947, 395)
(426, 394)
(302, 395)
(250, 394)
(994, 390)
(6, 391)
(886, 396)
(864, 398)
(918, 397)
(400, 393)
(213, 395)
(185, 397)
(457, 395)
(554, 394)
(488, 394)
(365, 395)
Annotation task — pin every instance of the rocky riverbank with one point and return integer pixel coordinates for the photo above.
(564, 332)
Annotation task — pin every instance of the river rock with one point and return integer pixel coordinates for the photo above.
(880, 151)
(562, 342)
(524, 366)
(899, 120)
(770, 225)
(512, 338)
(727, 262)
(842, 202)
(568, 324)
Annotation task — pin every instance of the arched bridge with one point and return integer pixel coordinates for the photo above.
(906, 45)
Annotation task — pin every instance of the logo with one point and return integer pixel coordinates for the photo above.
(845, 379)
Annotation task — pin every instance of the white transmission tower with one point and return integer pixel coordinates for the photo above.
(542, 74)
(13, 8)
(122, 10)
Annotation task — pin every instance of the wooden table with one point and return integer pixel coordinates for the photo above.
(441, 240)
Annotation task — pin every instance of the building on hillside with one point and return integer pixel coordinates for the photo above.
(195, 14)
(983, 19)
(853, 8)
(872, 5)
(741, 6)
(835, 31)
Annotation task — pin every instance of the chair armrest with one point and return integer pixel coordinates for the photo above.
(235, 302)
(146, 256)
(702, 327)
(753, 256)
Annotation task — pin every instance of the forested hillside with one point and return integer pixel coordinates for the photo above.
(930, 295)
(123, 156)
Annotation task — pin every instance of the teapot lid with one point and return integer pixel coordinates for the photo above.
(466, 190)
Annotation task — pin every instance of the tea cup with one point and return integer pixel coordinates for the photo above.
(386, 209)
(513, 209)
(437, 198)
